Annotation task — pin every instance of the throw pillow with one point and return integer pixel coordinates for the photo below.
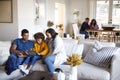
(102, 57)
(74, 48)
(97, 45)
(4, 51)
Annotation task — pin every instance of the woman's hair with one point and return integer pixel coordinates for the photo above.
(52, 32)
(93, 20)
(39, 35)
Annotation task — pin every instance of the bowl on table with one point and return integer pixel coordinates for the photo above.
(108, 28)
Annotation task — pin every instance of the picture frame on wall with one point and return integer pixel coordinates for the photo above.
(39, 12)
(6, 15)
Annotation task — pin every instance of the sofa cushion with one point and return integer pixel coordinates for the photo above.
(87, 72)
(39, 66)
(4, 51)
(97, 45)
(15, 75)
(90, 43)
(86, 49)
(67, 40)
(73, 48)
(102, 57)
(90, 72)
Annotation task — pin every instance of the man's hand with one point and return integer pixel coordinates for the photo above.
(31, 49)
(21, 54)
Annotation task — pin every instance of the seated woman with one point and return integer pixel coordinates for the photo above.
(41, 48)
(57, 53)
(93, 25)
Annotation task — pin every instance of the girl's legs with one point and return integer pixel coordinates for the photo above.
(25, 64)
(49, 62)
(30, 61)
(33, 61)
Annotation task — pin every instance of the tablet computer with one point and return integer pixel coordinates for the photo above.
(31, 53)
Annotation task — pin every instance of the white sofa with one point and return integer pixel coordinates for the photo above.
(85, 71)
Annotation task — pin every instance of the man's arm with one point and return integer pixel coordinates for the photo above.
(13, 50)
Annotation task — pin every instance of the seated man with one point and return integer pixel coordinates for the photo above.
(17, 49)
(85, 26)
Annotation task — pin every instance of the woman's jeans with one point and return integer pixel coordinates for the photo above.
(50, 62)
(31, 60)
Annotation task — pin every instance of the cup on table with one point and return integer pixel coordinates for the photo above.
(68, 36)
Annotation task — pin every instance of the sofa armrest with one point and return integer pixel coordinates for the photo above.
(115, 67)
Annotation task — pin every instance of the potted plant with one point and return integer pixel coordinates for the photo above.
(74, 60)
(50, 23)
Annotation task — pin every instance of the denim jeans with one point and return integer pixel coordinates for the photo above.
(86, 34)
(31, 60)
(13, 62)
(49, 62)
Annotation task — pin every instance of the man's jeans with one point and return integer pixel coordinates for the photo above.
(86, 34)
(13, 62)
(31, 60)
(50, 62)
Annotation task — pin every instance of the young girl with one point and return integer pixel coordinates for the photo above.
(40, 47)
(57, 53)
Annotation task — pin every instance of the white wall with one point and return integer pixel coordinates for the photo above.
(9, 31)
(82, 6)
(24, 16)
(50, 10)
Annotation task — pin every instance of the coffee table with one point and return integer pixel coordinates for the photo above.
(38, 75)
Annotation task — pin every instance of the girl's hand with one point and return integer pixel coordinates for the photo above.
(39, 54)
(31, 49)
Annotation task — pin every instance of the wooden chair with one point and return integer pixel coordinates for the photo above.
(76, 32)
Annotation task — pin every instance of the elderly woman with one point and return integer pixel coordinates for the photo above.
(57, 53)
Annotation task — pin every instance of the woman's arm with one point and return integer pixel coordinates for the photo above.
(57, 45)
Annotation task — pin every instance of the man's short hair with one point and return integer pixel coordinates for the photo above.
(24, 31)
(39, 35)
(87, 18)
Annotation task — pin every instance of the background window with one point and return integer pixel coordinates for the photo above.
(102, 12)
(116, 13)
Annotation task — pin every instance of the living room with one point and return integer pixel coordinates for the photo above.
(34, 16)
